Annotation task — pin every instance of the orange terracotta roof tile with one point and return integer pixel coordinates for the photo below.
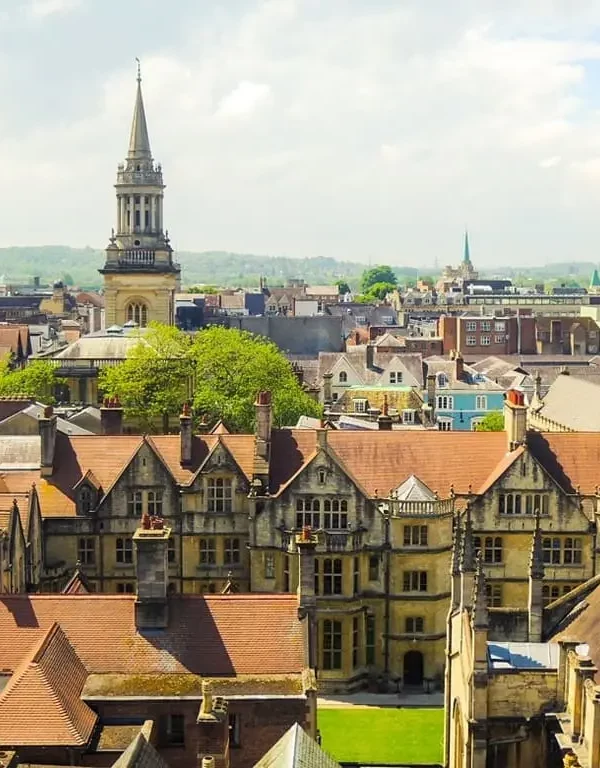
(219, 429)
(77, 585)
(168, 448)
(380, 461)
(41, 705)
(503, 466)
(207, 635)
(571, 458)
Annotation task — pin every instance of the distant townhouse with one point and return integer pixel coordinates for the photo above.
(488, 334)
(460, 396)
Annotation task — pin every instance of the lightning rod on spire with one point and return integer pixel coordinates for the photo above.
(139, 70)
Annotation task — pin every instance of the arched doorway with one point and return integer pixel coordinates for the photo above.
(413, 668)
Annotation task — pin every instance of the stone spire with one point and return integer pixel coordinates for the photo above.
(480, 609)
(536, 560)
(467, 558)
(467, 253)
(139, 143)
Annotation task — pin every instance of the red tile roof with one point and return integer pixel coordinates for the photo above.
(213, 635)
(47, 684)
(380, 461)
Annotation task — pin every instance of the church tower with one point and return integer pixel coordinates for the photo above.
(140, 277)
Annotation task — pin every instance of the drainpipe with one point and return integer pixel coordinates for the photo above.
(387, 581)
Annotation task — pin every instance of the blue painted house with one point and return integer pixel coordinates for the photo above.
(459, 395)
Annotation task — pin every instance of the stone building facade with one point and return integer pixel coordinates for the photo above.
(383, 505)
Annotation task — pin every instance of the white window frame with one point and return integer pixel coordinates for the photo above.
(485, 340)
(408, 416)
(500, 325)
(444, 424)
(481, 403)
(471, 341)
(395, 377)
(471, 325)
(444, 403)
(442, 380)
(485, 325)
(474, 422)
(499, 338)
(360, 405)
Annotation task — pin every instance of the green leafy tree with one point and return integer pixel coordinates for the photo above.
(206, 289)
(36, 380)
(155, 380)
(342, 287)
(491, 422)
(378, 291)
(232, 366)
(222, 371)
(379, 274)
(67, 279)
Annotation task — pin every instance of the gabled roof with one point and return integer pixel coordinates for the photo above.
(77, 584)
(219, 429)
(47, 685)
(413, 489)
(296, 749)
(573, 403)
(213, 635)
(140, 753)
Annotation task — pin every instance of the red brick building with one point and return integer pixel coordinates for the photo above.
(488, 335)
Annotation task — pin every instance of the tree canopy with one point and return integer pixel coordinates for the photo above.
(221, 371)
(36, 380)
(491, 422)
(378, 291)
(342, 287)
(379, 274)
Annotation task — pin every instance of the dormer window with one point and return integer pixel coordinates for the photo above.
(343, 377)
(442, 380)
(395, 377)
(86, 500)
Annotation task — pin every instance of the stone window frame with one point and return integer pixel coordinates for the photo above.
(207, 546)
(219, 495)
(86, 550)
(332, 652)
(124, 550)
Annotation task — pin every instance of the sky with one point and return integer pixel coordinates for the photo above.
(368, 130)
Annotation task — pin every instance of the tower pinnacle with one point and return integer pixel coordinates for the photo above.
(467, 254)
(139, 143)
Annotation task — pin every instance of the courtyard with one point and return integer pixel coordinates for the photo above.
(372, 735)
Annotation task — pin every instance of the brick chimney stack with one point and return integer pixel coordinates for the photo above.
(306, 545)
(212, 730)
(459, 367)
(47, 427)
(327, 393)
(515, 418)
(384, 420)
(264, 418)
(111, 417)
(185, 431)
(151, 543)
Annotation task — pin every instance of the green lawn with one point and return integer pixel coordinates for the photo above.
(382, 735)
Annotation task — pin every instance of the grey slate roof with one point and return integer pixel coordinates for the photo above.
(140, 753)
(19, 452)
(472, 379)
(357, 358)
(574, 403)
(296, 749)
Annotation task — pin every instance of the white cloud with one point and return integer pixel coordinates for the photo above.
(550, 162)
(40, 9)
(244, 99)
(361, 130)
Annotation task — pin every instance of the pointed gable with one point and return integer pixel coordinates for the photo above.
(413, 489)
(41, 705)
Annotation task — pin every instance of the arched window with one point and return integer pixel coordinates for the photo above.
(85, 500)
(138, 312)
(343, 377)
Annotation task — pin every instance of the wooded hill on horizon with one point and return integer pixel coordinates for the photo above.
(78, 266)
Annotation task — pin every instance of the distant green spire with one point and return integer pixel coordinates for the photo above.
(595, 281)
(467, 254)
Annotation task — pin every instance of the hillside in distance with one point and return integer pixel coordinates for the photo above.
(78, 266)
